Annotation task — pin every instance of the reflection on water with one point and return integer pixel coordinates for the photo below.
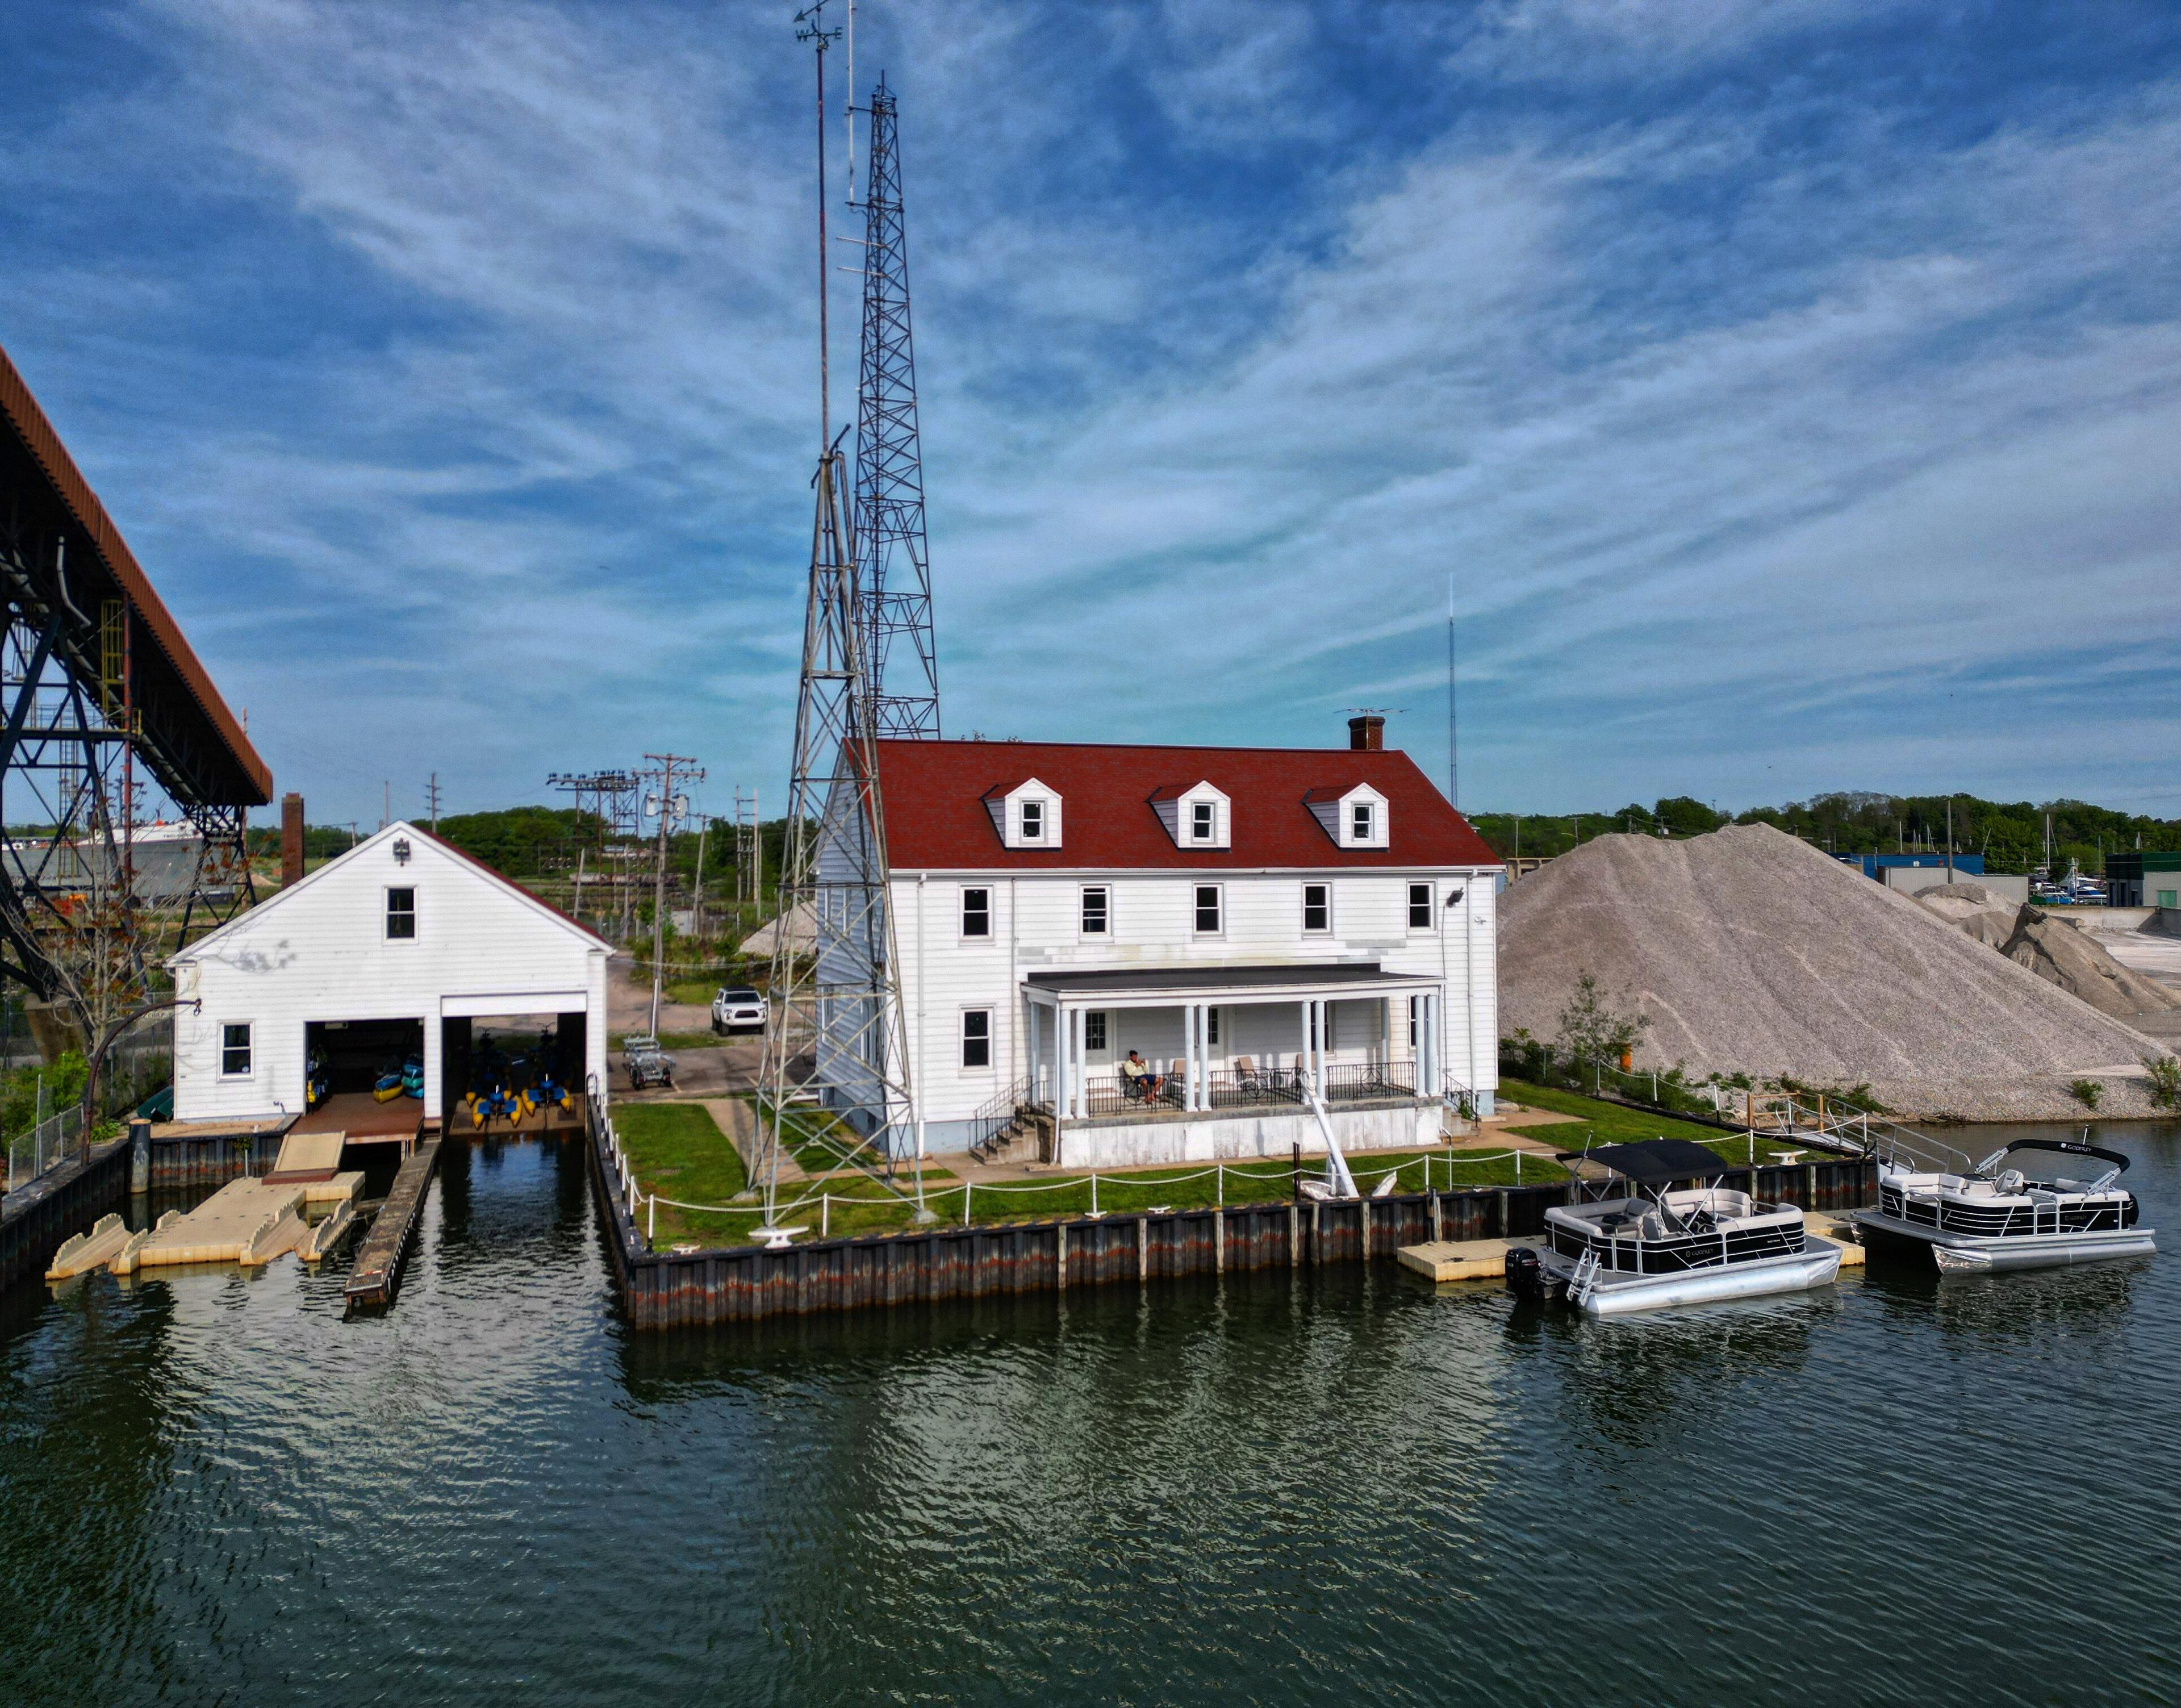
(1283, 1488)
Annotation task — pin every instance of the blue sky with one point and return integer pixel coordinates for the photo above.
(1792, 390)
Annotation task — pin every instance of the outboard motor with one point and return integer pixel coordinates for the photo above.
(1525, 1272)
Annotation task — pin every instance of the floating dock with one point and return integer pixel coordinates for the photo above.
(377, 1271)
(1486, 1260)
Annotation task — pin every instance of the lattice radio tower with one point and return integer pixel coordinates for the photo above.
(893, 561)
(840, 1030)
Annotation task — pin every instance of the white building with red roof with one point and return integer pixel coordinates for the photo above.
(1114, 954)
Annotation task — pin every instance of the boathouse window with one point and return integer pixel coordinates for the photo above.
(1359, 820)
(1096, 902)
(1212, 1026)
(1094, 1031)
(1207, 909)
(400, 915)
(1420, 907)
(1203, 816)
(1032, 821)
(235, 1050)
(977, 1037)
(976, 913)
(1318, 907)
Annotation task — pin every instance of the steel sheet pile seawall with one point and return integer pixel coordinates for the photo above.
(745, 1283)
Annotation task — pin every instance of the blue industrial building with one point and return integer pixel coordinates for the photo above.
(1876, 866)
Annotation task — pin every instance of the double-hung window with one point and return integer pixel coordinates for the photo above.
(400, 915)
(1212, 1026)
(1318, 907)
(977, 1037)
(1359, 820)
(1032, 821)
(976, 912)
(1416, 1006)
(1420, 907)
(1097, 910)
(1208, 910)
(1203, 817)
(1094, 1031)
(235, 1050)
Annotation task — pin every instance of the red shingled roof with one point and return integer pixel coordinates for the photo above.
(937, 820)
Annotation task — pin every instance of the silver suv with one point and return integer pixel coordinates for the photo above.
(738, 1009)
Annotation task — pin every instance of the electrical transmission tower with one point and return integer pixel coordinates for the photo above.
(838, 1023)
(893, 562)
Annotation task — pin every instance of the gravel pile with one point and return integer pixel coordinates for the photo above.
(1752, 952)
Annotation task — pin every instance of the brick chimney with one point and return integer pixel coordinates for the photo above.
(1367, 733)
(291, 839)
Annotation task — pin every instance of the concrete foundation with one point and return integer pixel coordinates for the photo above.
(1125, 1141)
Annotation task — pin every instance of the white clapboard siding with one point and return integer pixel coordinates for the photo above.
(318, 951)
(1036, 927)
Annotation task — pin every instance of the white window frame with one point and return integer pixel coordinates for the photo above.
(386, 913)
(1031, 813)
(961, 914)
(964, 1039)
(1082, 907)
(1325, 905)
(249, 1047)
(1363, 822)
(1097, 1017)
(1197, 928)
(1203, 821)
(1431, 911)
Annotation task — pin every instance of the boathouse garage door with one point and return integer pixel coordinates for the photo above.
(355, 1052)
(513, 1023)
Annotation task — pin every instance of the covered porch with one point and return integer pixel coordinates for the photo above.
(1226, 1061)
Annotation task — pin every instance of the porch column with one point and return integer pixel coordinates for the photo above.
(1079, 1079)
(1060, 1059)
(1199, 1075)
(1034, 1069)
(1302, 1054)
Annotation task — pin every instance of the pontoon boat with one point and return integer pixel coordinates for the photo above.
(2063, 1207)
(1658, 1245)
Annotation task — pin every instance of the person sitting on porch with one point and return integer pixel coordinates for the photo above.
(1136, 1074)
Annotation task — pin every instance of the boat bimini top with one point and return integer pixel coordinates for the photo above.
(1653, 1162)
(1993, 1167)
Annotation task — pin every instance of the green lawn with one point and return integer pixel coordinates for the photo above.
(1610, 1124)
(661, 1140)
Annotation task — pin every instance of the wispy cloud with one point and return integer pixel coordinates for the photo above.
(463, 389)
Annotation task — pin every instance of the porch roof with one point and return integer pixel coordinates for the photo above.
(1240, 984)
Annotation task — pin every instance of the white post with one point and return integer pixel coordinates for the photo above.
(1060, 1033)
(1079, 1070)
(824, 1215)
(1302, 1055)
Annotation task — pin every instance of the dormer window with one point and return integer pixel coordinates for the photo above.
(1197, 816)
(1025, 814)
(1353, 817)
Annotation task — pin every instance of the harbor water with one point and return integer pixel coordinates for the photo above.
(1282, 1487)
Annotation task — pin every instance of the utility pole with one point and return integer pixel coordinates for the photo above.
(1950, 838)
(432, 794)
(386, 804)
(697, 899)
(671, 806)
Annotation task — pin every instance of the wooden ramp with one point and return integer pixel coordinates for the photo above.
(385, 1248)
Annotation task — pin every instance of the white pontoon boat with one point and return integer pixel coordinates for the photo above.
(1658, 1245)
(2063, 1208)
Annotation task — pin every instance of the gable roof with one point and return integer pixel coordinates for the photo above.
(935, 818)
(399, 828)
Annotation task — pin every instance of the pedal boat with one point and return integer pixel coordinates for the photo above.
(2064, 1208)
(1654, 1245)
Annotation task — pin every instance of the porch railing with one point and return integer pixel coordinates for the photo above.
(1229, 1088)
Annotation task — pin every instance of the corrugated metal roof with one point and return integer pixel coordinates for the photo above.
(253, 778)
(935, 818)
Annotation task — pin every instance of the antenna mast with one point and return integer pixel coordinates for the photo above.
(893, 558)
(840, 1030)
(1453, 722)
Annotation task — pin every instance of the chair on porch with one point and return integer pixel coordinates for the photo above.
(1177, 1082)
(1247, 1078)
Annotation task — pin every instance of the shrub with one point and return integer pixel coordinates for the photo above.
(2086, 1092)
(1591, 1031)
(2165, 1073)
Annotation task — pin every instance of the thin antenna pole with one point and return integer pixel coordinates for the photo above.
(1453, 720)
(815, 31)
